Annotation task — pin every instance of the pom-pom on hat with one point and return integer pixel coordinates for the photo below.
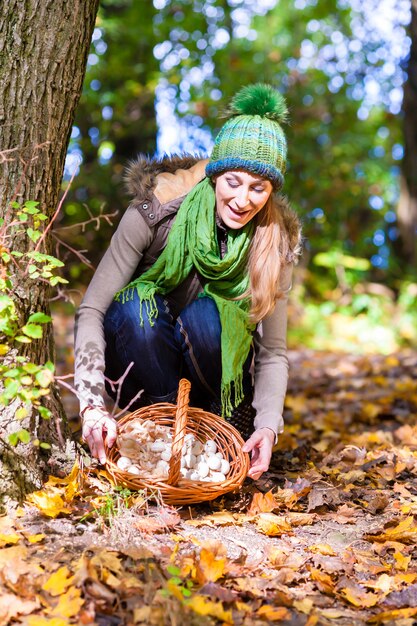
(252, 138)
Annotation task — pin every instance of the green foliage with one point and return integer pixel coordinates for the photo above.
(341, 156)
(21, 379)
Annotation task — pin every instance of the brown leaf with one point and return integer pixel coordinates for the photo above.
(262, 503)
(214, 590)
(219, 518)
(272, 525)
(323, 495)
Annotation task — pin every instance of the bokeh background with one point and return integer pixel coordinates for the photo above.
(159, 76)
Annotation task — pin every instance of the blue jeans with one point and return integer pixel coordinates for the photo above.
(188, 346)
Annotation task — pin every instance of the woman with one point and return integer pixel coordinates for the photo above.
(208, 300)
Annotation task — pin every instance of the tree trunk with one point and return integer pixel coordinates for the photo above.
(43, 49)
(407, 205)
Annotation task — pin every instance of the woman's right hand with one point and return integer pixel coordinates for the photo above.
(98, 425)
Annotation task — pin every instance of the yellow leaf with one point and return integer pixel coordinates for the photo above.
(9, 539)
(305, 605)
(360, 598)
(325, 583)
(49, 502)
(203, 606)
(393, 616)
(405, 532)
(35, 538)
(69, 484)
(242, 606)
(322, 548)
(273, 613)
(209, 567)
(272, 525)
(58, 582)
(37, 620)
(105, 558)
(69, 604)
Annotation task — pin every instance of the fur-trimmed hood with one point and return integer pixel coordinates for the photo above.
(174, 176)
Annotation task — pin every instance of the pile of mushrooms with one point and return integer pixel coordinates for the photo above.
(146, 449)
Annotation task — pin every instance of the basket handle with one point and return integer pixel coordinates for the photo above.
(180, 424)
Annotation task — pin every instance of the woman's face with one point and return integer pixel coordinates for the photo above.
(240, 196)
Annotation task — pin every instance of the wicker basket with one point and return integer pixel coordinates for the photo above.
(184, 419)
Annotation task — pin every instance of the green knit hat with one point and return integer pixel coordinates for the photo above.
(252, 138)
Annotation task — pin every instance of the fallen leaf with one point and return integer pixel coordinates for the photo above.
(392, 616)
(49, 502)
(202, 606)
(402, 562)
(262, 503)
(11, 539)
(305, 605)
(219, 518)
(13, 563)
(405, 532)
(35, 538)
(301, 519)
(383, 583)
(322, 495)
(69, 604)
(11, 606)
(359, 597)
(107, 558)
(209, 566)
(218, 592)
(324, 581)
(58, 582)
(272, 525)
(37, 620)
(273, 613)
(322, 548)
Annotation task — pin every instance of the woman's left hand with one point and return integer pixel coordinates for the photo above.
(260, 444)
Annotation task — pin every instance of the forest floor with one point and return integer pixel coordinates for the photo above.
(325, 537)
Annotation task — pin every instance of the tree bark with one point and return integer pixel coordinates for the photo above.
(44, 46)
(407, 205)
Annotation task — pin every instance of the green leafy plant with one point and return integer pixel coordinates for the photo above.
(20, 379)
(112, 505)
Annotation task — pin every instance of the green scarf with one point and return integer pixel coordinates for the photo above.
(192, 242)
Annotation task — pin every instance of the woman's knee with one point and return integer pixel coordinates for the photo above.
(129, 320)
(199, 326)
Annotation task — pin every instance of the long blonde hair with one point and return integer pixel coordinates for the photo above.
(269, 251)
